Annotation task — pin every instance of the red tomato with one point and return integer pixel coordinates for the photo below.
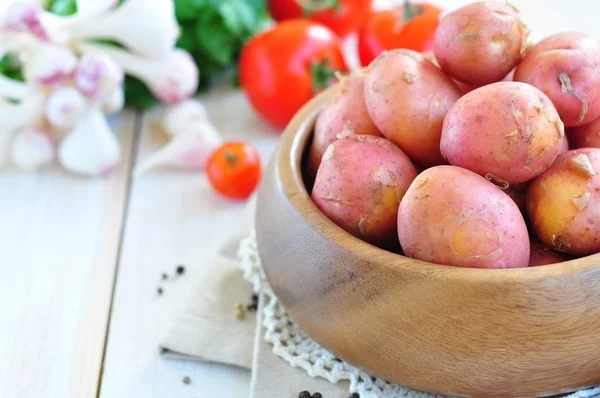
(234, 170)
(410, 26)
(341, 16)
(282, 68)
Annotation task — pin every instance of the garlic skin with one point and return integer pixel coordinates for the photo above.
(91, 148)
(114, 102)
(190, 149)
(13, 89)
(49, 64)
(65, 107)
(24, 17)
(172, 79)
(32, 148)
(16, 116)
(146, 27)
(97, 75)
(178, 117)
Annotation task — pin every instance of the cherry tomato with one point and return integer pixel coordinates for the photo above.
(409, 26)
(234, 170)
(341, 16)
(282, 68)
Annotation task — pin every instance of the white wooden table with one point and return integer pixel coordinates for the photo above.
(81, 259)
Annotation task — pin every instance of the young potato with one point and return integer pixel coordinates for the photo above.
(359, 185)
(506, 131)
(564, 203)
(586, 136)
(453, 216)
(407, 98)
(543, 255)
(565, 147)
(347, 112)
(566, 67)
(481, 42)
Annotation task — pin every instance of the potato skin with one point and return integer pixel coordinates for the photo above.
(346, 111)
(564, 203)
(480, 43)
(586, 136)
(407, 98)
(507, 129)
(574, 56)
(359, 186)
(542, 255)
(453, 216)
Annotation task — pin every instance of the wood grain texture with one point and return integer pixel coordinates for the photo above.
(449, 330)
(174, 217)
(59, 240)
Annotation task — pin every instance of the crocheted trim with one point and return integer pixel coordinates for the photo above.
(299, 350)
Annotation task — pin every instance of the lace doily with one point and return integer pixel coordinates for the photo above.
(299, 350)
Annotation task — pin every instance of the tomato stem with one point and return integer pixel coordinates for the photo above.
(231, 157)
(322, 74)
(309, 7)
(412, 11)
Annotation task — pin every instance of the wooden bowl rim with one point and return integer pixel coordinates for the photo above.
(289, 162)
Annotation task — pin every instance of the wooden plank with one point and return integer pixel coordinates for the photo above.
(59, 240)
(174, 217)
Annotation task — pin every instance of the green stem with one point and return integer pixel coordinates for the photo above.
(231, 158)
(309, 7)
(322, 74)
(411, 11)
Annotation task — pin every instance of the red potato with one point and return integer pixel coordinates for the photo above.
(481, 42)
(453, 216)
(565, 146)
(564, 203)
(543, 255)
(586, 136)
(407, 98)
(359, 186)
(566, 67)
(348, 112)
(507, 131)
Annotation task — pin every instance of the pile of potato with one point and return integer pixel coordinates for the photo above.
(462, 156)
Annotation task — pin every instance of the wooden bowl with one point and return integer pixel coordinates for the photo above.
(441, 329)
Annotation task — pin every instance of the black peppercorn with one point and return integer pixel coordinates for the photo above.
(159, 290)
(255, 298)
(304, 394)
(186, 380)
(354, 395)
(180, 269)
(317, 395)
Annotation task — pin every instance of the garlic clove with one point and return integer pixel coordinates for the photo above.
(172, 79)
(91, 148)
(16, 116)
(13, 89)
(65, 107)
(114, 102)
(32, 148)
(24, 17)
(49, 64)
(152, 36)
(97, 75)
(178, 117)
(188, 150)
